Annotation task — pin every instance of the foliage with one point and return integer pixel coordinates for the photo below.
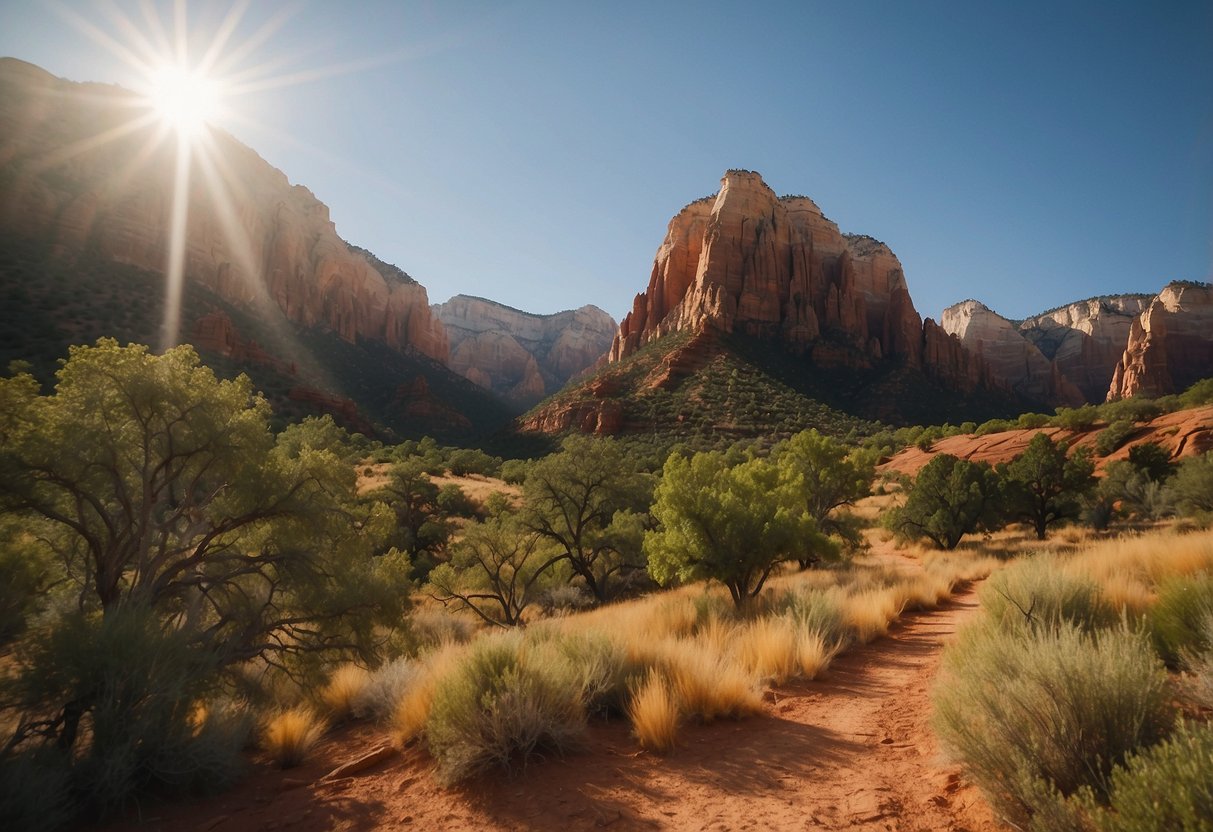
(454, 502)
(179, 521)
(1165, 788)
(503, 704)
(584, 500)
(1151, 460)
(422, 529)
(497, 571)
(733, 524)
(1200, 393)
(1044, 485)
(316, 433)
(948, 499)
(832, 477)
(1113, 436)
(1035, 595)
(1191, 489)
(1177, 619)
(465, 461)
(1076, 418)
(1034, 717)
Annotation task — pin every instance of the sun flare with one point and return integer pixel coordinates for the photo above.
(184, 99)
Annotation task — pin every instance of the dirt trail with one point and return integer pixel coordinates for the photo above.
(850, 751)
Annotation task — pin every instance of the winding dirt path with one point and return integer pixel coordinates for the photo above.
(852, 751)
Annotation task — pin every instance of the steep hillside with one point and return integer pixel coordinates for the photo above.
(86, 207)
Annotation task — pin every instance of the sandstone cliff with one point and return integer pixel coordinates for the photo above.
(518, 355)
(78, 168)
(1010, 354)
(747, 261)
(1105, 347)
(1170, 344)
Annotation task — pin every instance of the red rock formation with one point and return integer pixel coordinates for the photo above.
(216, 332)
(417, 402)
(251, 235)
(345, 411)
(748, 261)
(1170, 344)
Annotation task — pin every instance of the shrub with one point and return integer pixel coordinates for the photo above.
(816, 611)
(1113, 436)
(385, 688)
(454, 502)
(1167, 788)
(499, 706)
(1177, 619)
(653, 710)
(1034, 716)
(1076, 418)
(288, 736)
(1036, 595)
(1191, 488)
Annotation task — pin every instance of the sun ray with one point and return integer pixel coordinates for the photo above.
(222, 36)
(71, 151)
(98, 36)
(174, 269)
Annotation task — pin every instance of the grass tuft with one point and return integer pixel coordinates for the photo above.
(653, 711)
(288, 736)
(343, 690)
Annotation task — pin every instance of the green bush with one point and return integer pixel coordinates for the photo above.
(1113, 436)
(1076, 418)
(1177, 619)
(1167, 788)
(503, 705)
(453, 501)
(1032, 717)
(1191, 487)
(1035, 595)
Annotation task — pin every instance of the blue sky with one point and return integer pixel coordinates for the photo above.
(1026, 154)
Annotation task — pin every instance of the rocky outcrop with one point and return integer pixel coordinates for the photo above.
(1105, 347)
(77, 166)
(1170, 344)
(1009, 354)
(1085, 340)
(215, 332)
(519, 355)
(750, 262)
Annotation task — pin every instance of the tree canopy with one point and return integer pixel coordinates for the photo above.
(1045, 484)
(949, 498)
(733, 524)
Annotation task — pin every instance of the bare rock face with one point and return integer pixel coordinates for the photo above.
(1009, 355)
(1085, 340)
(776, 268)
(520, 355)
(251, 236)
(1170, 344)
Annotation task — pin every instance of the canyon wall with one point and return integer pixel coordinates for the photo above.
(519, 355)
(87, 166)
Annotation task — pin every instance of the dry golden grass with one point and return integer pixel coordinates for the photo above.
(769, 648)
(1149, 558)
(708, 685)
(653, 710)
(289, 735)
(413, 710)
(1126, 594)
(869, 612)
(343, 689)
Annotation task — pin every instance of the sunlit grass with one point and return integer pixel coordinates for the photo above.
(653, 711)
(343, 690)
(288, 736)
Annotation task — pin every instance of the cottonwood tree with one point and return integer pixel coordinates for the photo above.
(833, 477)
(180, 524)
(1045, 484)
(586, 500)
(733, 524)
(497, 570)
(949, 498)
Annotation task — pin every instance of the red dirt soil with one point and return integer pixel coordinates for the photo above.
(853, 750)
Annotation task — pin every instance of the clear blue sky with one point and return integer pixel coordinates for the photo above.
(1025, 154)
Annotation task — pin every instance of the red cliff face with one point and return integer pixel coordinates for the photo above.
(1170, 344)
(251, 235)
(748, 261)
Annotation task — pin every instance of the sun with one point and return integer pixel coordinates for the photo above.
(184, 99)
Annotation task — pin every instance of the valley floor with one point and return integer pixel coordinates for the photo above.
(853, 750)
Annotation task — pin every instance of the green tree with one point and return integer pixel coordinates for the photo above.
(733, 524)
(497, 570)
(422, 529)
(949, 498)
(1191, 488)
(585, 499)
(1045, 485)
(177, 518)
(833, 478)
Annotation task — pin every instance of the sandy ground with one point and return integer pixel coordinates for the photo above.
(850, 751)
